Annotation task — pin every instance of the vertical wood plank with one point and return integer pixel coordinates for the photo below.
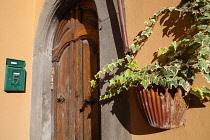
(62, 91)
(67, 101)
(86, 87)
(72, 103)
(80, 90)
(76, 72)
(95, 110)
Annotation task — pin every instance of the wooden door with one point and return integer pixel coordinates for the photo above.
(75, 61)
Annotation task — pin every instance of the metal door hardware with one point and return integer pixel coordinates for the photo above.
(90, 100)
(61, 99)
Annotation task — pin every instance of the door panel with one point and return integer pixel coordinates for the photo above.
(75, 61)
(62, 92)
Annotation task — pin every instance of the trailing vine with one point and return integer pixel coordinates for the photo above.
(183, 59)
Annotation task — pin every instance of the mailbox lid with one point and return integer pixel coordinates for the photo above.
(15, 62)
(14, 79)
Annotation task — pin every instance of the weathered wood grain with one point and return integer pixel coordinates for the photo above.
(75, 62)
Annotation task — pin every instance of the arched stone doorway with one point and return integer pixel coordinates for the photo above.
(110, 46)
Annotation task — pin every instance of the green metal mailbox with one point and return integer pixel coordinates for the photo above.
(15, 75)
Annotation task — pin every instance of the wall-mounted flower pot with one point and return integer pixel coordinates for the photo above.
(165, 109)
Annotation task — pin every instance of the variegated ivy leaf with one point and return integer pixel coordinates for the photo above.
(138, 38)
(133, 65)
(202, 27)
(128, 73)
(150, 22)
(162, 81)
(175, 45)
(172, 82)
(203, 65)
(198, 92)
(168, 74)
(158, 64)
(206, 91)
(208, 29)
(174, 69)
(145, 82)
(158, 13)
(134, 48)
(117, 61)
(105, 96)
(202, 9)
(201, 92)
(120, 61)
(121, 79)
(111, 82)
(170, 8)
(154, 67)
(129, 58)
(114, 61)
(105, 67)
(156, 80)
(147, 32)
(204, 54)
(161, 51)
(207, 76)
(207, 14)
(195, 11)
(206, 41)
(111, 67)
(199, 37)
(99, 74)
(93, 83)
(184, 84)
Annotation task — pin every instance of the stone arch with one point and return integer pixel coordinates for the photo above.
(110, 46)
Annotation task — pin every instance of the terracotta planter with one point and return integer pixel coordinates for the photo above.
(162, 108)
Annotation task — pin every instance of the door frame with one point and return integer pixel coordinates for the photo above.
(41, 121)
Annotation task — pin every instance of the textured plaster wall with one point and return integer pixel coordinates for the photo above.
(38, 8)
(17, 28)
(197, 126)
(16, 41)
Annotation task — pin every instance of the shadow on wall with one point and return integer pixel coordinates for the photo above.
(175, 27)
(115, 27)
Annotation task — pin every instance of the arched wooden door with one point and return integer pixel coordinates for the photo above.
(75, 61)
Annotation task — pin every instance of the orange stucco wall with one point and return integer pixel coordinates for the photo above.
(17, 26)
(197, 126)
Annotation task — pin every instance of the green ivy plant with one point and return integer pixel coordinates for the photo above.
(183, 59)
